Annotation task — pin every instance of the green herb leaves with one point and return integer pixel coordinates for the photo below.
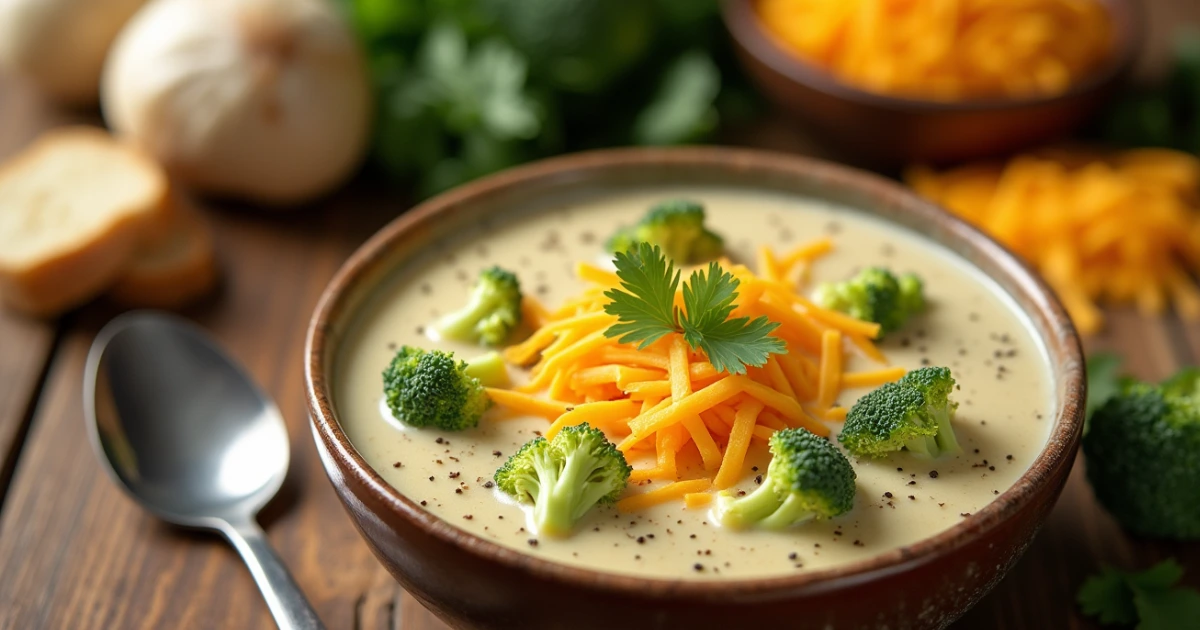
(1152, 597)
(646, 311)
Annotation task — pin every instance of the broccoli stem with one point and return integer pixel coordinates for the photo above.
(922, 446)
(489, 368)
(548, 514)
(794, 511)
(570, 496)
(461, 324)
(947, 442)
(752, 508)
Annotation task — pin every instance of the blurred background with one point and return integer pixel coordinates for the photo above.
(270, 137)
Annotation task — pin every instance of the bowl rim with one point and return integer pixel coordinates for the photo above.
(1058, 452)
(741, 20)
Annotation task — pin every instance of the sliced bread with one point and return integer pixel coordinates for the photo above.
(74, 209)
(175, 269)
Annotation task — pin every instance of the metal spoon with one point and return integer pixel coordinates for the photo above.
(189, 436)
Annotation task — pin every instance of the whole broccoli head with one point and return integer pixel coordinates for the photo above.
(676, 226)
(492, 312)
(428, 388)
(875, 295)
(564, 477)
(913, 413)
(808, 478)
(1143, 456)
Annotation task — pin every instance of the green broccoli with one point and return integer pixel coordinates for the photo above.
(1143, 456)
(808, 478)
(490, 369)
(913, 413)
(677, 226)
(428, 388)
(492, 313)
(565, 477)
(875, 295)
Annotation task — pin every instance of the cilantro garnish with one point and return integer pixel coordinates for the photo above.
(1115, 597)
(646, 311)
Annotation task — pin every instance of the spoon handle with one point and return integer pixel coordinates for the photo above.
(287, 603)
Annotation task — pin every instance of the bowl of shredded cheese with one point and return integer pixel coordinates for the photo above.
(893, 81)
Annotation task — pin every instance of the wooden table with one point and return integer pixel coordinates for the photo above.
(76, 553)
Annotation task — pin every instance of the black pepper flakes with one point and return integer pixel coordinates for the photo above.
(641, 540)
(455, 475)
(468, 517)
(911, 497)
(431, 477)
(496, 453)
(423, 503)
(887, 494)
(698, 567)
(440, 440)
(533, 542)
(793, 555)
(488, 484)
(397, 465)
(933, 474)
(458, 491)
(758, 480)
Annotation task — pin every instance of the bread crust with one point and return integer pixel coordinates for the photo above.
(65, 277)
(176, 270)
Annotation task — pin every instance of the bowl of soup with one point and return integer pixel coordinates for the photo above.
(925, 538)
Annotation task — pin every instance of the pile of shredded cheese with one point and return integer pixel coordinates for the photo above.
(946, 49)
(667, 404)
(1120, 228)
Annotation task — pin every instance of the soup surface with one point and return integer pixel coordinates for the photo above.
(1005, 393)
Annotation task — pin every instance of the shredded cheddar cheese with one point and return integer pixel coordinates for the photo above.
(946, 50)
(667, 405)
(1120, 228)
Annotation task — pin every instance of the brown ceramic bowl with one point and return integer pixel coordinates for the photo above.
(886, 130)
(473, 583)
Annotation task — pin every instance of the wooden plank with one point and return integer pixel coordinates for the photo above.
(25, 343)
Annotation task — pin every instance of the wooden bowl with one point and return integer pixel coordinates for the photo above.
(473, 583)
(887, 131)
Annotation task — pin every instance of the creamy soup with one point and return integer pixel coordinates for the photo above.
(971, 326)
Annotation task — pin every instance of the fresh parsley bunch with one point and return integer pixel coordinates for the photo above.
(646, 311)
(469, 87)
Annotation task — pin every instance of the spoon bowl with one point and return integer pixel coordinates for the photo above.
(186, 433)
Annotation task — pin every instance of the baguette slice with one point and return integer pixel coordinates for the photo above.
(74, 208)
(174, 270)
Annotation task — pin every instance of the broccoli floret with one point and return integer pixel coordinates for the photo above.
(565, 477)
(677, 226)
(428, 388)
(913, 413)
(491, 314)
(875, 295)
(808, 478)
(1143, 456)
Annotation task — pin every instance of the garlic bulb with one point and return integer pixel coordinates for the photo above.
(266, 100)
(60, 45)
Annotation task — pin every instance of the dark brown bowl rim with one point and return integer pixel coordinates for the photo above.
(579, 168)
(743, 24)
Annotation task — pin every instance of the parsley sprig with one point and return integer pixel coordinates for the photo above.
(646, 311)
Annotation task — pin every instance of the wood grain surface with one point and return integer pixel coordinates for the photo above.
(77, 554)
